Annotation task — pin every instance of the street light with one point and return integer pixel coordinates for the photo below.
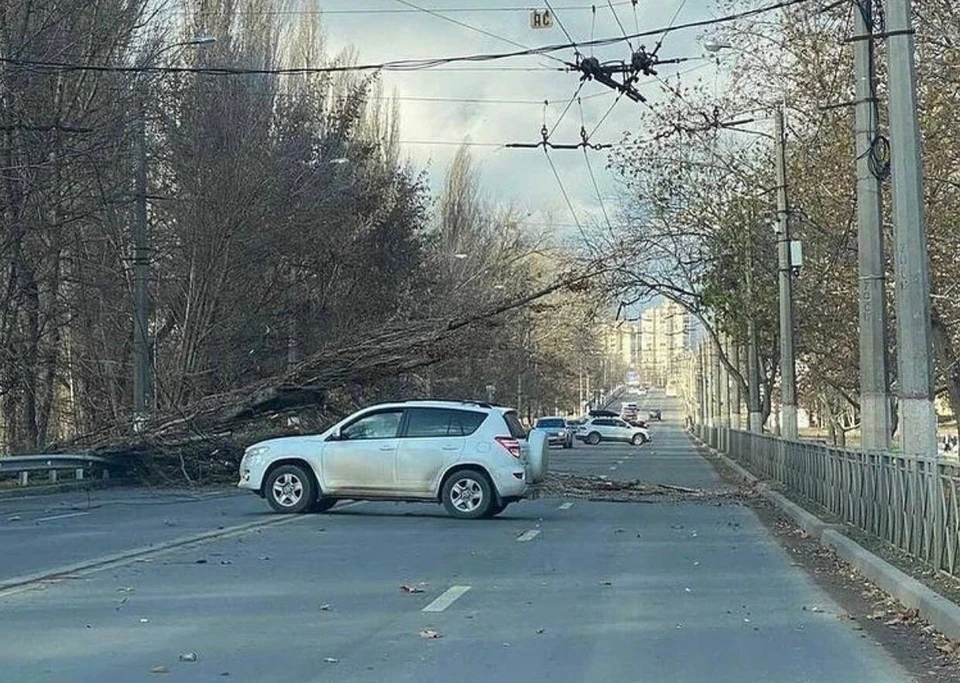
(142, 376)
(788, 378)
(716, 46)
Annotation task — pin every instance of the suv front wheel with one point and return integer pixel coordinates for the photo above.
(290, 489)
(467, 494)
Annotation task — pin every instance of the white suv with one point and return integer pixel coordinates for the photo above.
(473, 457)
(598, 429)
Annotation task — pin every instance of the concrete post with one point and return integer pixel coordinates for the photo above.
(874, 377)
(918, 421)
(788, 380)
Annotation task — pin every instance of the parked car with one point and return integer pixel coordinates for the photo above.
(599, 429)
(655, 414)
(472, 457)
(557, 432)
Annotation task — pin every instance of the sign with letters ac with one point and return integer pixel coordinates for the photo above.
(541, 18)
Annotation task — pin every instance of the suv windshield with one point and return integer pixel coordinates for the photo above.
(550, 423)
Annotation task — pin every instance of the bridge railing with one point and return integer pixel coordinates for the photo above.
(23, 466)
(910, 502)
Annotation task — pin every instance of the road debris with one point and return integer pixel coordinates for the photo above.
(408, 588)
(159, 669)
(324, 607)
(330, 660)
(568, 485)
(14, 518)
(188, 657)
(430, 634)
(144, 621)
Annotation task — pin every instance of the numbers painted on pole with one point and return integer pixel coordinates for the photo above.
(541, 18)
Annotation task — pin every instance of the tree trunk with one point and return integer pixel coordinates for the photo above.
(950, 364)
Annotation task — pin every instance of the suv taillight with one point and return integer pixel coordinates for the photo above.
(509, 443)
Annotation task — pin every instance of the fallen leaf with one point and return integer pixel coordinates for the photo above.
(159, 669)
(226, 562)
(324, 607)
(331, 660)
(188, 657)
(407, 588)
(429, 634)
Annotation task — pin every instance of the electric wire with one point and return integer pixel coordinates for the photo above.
(563, 191)
(392, 65)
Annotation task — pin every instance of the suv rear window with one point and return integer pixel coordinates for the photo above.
(428, 422)
(513, 424)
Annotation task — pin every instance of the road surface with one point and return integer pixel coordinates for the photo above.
(554, 590)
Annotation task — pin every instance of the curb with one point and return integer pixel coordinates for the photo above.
(18, 584)
(936, 609)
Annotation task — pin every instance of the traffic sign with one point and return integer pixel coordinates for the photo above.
(541, 18)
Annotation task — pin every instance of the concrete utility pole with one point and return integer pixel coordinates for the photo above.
(874, 377)
(141, 264)
(753, 357)
(701, 388)
(788, 379)
(717, 386)
(142, 361)
(728, 407)
(740, 360)
(918, 420)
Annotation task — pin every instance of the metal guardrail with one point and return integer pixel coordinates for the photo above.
(23, 465)
(912, 503)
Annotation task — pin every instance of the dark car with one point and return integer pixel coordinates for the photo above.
(655, 414)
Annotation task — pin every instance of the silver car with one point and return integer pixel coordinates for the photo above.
(473, 457)
(556, 429)
(598, 429)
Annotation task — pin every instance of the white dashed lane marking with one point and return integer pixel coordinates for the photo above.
(565, 506)
(528, 535)
(447, 598)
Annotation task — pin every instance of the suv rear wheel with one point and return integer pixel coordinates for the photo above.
(593, 438)
(467, 494)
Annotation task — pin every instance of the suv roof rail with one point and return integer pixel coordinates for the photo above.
(479, 404)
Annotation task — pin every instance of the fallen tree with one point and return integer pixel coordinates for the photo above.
(204, 441)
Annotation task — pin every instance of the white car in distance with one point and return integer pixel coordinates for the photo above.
(472, 457)
(598, 429)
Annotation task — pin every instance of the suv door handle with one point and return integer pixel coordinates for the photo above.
(450, 448)
(386, 448)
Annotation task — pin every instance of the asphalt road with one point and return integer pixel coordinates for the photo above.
(554, 590)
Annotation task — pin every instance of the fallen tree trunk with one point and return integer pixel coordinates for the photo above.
(213, 431)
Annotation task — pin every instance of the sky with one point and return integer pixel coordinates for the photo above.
(507, 96)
